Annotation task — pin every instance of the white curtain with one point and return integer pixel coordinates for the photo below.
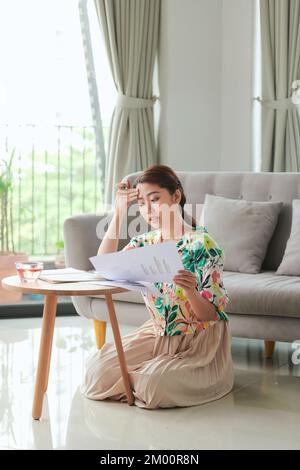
(130, 29)
(280, 35)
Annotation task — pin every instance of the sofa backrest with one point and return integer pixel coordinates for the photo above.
(251, 186)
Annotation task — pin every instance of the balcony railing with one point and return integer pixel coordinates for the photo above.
(56, 174)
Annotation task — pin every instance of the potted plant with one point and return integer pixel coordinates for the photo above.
(60, 256)
(8, 254)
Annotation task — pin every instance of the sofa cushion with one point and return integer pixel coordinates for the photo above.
(242, 228)
(265, 293)
(290, 264)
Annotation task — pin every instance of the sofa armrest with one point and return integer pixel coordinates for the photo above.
(81, 240)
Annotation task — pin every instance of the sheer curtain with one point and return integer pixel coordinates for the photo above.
(280, 35)
(130, 29)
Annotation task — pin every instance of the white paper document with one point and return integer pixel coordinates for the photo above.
(143, 287)
(67, 275)
(141, 266)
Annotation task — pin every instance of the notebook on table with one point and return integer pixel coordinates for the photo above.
(68, 275)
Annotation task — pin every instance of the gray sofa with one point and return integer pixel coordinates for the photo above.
(262, 306)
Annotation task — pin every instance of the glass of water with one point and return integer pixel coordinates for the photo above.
(29, 271)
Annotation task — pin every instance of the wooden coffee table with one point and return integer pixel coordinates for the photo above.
(51, 292)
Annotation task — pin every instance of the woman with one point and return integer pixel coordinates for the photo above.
(181, 356)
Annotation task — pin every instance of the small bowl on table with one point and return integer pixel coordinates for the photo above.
(29, 272)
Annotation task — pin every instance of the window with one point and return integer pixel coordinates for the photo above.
(50, 114)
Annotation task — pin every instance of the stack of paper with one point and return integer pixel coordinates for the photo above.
(143, 287)
(136, 269)
(68, 275)
(139, 268)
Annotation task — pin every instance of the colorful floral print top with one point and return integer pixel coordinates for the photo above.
(170, 309)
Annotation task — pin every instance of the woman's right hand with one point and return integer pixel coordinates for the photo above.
(125, 195)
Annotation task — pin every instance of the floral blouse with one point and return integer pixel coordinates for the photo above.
(170, 309)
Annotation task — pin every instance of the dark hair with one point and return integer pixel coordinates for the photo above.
(164, 177)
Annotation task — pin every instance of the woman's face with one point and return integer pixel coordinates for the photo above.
(155, 203)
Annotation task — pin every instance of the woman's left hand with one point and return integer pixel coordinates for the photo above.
(186, 279)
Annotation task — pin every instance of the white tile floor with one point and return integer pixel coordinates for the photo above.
(263, 411)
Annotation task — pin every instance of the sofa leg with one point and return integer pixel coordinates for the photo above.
(100, 332)
(269, 348)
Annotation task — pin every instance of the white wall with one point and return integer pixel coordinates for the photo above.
(237, 81)
(205, 84)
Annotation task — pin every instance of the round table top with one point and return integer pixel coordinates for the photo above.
(66, 288)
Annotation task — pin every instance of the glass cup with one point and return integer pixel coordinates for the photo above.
(29, 271)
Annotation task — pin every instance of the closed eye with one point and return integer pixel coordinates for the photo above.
(141, 203)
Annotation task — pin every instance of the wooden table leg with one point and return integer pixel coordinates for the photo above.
(100, 332)
(41, 381)
(119, 347)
